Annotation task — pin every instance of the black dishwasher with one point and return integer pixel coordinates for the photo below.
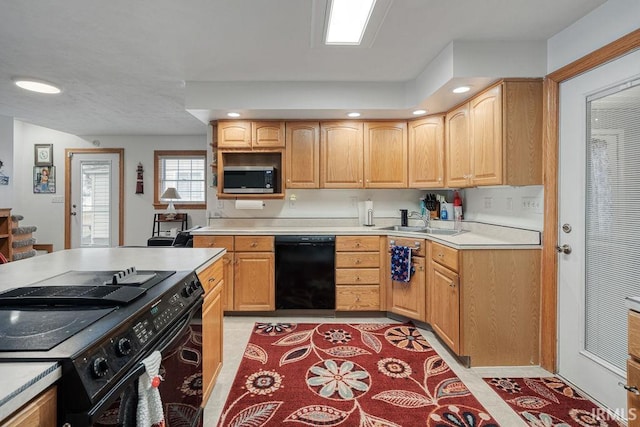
(305, 272)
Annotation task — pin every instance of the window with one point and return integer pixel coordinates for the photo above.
(185, 171)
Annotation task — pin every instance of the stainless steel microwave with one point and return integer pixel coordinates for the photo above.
(249, 179)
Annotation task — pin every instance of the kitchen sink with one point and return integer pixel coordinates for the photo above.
(427, 230)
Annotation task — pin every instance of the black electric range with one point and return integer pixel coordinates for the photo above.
(98, 325)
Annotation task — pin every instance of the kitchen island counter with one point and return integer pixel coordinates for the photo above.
(22, 381)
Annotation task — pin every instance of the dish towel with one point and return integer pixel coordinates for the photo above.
(401, 268)
(149, 412)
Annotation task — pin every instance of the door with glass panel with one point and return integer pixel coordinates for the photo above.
(93, 199)
(599, 221)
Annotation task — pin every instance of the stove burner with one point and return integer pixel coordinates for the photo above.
(41, 330)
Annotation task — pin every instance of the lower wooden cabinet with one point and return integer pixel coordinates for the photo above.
(211, 339)
(40, 412)
(444, 310)
(408, 298)
(633, 368)
(358, 273)
(254, 281)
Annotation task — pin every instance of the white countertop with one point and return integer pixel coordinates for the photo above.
(22, 381)
(474, 236)
(633, 303)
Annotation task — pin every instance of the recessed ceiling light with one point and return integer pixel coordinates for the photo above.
(347, 21)
(35, 85)
(353, 114)
(233, 114)
(419, 112)
(461, 89)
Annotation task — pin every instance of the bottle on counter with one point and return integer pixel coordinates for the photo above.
(457, 210)
(444, 215)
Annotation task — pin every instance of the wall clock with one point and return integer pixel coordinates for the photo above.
(43, 154)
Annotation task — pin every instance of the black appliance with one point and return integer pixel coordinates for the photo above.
(249, 179)
(100, 342)
(305, 272)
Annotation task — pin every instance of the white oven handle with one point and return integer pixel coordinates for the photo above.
(167, 340)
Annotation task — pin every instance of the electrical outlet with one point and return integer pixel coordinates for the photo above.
(57, 199)
(292, 201)
(220, 204)
(531, 204)
(509, 204)
(488, 202)
(354, 201)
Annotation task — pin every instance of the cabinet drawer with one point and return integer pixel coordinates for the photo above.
(357, 243)
(634, 334)
(210, 276)
(357, 259)
(445, 255)
(357, 298)
(357, 276)
(633, 401)
(213, 242)
(418, 246)
(254, 243)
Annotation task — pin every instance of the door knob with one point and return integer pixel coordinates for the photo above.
(564, 249)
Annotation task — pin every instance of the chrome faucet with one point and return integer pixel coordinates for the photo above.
(424, 218)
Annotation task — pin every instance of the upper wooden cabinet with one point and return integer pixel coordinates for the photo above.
(246, 134)
(341, 158)
(303, 154)
(385, 154)
(496, 137)
(426, 153)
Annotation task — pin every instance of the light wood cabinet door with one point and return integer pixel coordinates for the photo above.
(267, 134)
(445, 305)
(227, 277)
(408, 298)
(426, 153)
(254, 281)
(40, 412)
(385, 155)
(303, 154)
(458, 148)
(485, 117)
(234, 134)
(211, 340)
(633, 400)
(341, 156)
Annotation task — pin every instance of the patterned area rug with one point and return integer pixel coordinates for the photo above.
(550, 402)
(347, 374)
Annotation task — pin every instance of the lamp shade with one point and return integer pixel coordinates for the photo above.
(170, 193)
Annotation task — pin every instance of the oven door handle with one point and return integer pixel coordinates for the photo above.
(167, 341)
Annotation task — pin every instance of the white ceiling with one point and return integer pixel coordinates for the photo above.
(135, 67)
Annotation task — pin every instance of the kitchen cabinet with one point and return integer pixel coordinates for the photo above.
(426, 153)
(212, 328)
(247, 134)
(408, 298)
(6, 247)
(303, 154)
(41, 411)
(496, 293)
(254, 273)
(385, 155)
(341, 157)
(496, 137)
(358, 273)
(444, 296)
(226, 242)
(633, 368)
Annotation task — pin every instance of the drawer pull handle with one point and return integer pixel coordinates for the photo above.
(254, 244)
(630, 388)
(357, 261)
(440, 255)
(452, 285)
(357, 278)
(357, 244)
(211, 279)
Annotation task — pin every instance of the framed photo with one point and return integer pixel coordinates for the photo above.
(44, 179)
(43, 154)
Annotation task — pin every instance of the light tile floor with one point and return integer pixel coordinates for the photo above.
(237, 330)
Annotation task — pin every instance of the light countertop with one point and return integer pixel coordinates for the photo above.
(633, 303)
(22, 381)
(474, 236)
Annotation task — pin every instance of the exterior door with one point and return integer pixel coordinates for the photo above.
(94, 199)
(599, 221)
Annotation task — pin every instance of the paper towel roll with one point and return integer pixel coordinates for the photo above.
(249, 204)
(368, 206)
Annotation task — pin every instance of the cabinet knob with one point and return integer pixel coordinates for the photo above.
(360, 180)
(357, 278)
(212, 279)
(357, 244)
(254, 244)
(357, 261)
(452, 285)
(440, 255)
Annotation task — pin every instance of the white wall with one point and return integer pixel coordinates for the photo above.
(6, 155)
(521, 207)
(603, 25)
(46, 211)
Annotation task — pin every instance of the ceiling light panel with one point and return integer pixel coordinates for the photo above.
(34, 85)
(347, 21)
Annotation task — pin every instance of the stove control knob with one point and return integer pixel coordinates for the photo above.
(194, 285)
(100, 367)
(124, 346)
(187, 291)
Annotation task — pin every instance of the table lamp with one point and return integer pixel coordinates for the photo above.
(170, 194)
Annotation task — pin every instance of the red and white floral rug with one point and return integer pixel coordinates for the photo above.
(548, 401)
(347, 374)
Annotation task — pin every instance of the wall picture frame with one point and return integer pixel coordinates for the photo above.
(44, 179)
(43, 154)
